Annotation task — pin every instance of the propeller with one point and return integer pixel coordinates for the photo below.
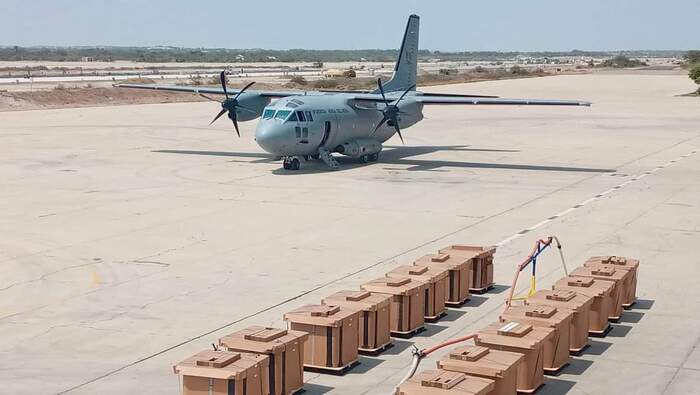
(230, 104)
(391, 111)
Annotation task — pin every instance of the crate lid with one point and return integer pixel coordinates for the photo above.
(619, 261)
(358, 300)
(583, 282)
(425, 273)
(561, 295)
(320, 314)
(442, 379)
(469, 251)
(514, 334)
(606, 271)
(452, 262)
(601, 272)
(439, 381)
(265, 334)
(261, 339)
(515, 329)
(469, 353)
(585, 285)
(539, 311)
(399, 285)
(221, 364)
(563, 298)
(481, 361)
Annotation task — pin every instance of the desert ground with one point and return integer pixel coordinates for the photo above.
(134, 236)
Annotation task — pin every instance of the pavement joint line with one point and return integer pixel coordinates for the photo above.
(593, 199)
(678, 369)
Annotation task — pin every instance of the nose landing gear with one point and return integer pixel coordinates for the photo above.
(291, 163)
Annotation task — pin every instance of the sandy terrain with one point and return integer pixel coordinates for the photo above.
(134, 236)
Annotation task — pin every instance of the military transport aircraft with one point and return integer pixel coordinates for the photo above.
(314, 124)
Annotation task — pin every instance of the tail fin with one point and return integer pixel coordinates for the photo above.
(406, 67)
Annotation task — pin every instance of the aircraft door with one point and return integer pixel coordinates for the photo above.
(330, 127)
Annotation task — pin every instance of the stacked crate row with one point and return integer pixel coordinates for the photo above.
(538, 337)
(327, 337)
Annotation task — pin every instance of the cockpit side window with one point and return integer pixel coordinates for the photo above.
(268, 114)
(300, 115)
(293, 117)
(282, 114)
(309, 117)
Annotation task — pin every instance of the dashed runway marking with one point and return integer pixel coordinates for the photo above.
(593, 199)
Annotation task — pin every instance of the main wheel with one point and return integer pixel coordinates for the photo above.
(295, 164)
(286, 165)
(364, 158)
(374, 157)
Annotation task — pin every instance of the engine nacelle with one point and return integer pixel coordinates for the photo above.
(359, 147)
(253, 101)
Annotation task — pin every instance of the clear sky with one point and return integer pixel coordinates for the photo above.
(449, 25)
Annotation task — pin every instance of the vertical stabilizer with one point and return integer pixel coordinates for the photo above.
(406, 67)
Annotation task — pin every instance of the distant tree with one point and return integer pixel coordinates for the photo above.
(621, 61)
(692, 57)
(694, 74)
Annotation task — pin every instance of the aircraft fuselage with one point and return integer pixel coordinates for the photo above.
(327, 121)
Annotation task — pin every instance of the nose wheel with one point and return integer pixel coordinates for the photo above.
(292, 163)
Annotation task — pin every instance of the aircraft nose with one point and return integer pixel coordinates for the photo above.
(272, 138)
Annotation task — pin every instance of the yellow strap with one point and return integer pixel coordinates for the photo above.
(530, 292)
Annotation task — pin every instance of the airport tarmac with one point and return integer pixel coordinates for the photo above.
(135, 236)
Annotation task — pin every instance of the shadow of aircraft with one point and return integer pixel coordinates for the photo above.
(401, 156)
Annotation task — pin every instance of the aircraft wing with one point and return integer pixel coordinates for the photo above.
(447, 100)
(209, 90)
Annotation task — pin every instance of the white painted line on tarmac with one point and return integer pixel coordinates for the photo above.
(594, 198)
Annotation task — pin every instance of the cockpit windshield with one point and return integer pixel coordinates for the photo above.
(269, 113)
(282, 114)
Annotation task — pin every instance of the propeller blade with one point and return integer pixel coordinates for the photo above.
(381, 88)
(398, 131)
(222, 112)
(379, 125)
(243, 90)
(222, 78)
(235, 124)
(208, 97)
(404, 94)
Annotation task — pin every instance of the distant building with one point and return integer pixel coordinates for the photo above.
(87, 59)
(337, 73)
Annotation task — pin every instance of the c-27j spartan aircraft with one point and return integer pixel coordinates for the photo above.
(315, 124)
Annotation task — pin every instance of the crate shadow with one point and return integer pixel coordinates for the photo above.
(497, 289)
(576, 366)
(554, 386)
(431, 329)
(366, 364)
(398, 347)
(619, 330)
(453, 315)
(315, 389)
(596, 347)
(631, 317)
(475, 301)
(643, 304)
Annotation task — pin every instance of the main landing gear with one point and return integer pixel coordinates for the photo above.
(369, 158)
(291, 163)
